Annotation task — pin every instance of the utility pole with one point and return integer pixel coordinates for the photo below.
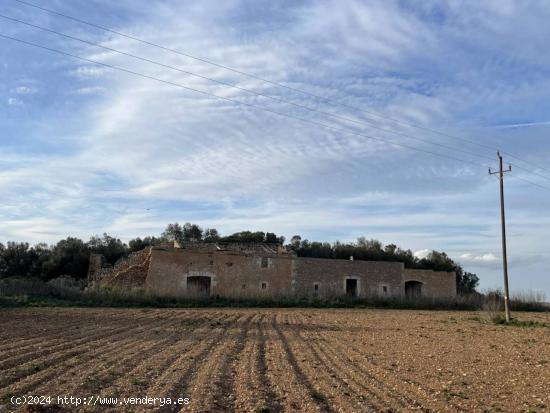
(501, 173)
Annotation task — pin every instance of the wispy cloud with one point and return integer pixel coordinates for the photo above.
(94, 149)
(90, 90)
(15, 102)
(25, 90)
(88, 71)
(522, 125)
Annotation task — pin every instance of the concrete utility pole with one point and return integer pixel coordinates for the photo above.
(501, 173)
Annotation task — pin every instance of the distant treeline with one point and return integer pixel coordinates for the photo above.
(70, 256)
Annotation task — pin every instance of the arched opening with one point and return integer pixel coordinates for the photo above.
(413, 289)
(198, 285)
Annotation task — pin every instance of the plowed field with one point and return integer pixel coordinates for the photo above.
(274, 360)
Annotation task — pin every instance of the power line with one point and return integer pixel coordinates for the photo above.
(525, 180)
(323, 125)
(529, 182)
(244, 89)
(324, 99)
(519, 159)
(532, 172)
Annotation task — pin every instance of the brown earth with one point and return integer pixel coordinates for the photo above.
(262, 360)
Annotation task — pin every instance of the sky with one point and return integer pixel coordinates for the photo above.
(87, 149)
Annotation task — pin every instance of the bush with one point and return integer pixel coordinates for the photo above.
(66, 291)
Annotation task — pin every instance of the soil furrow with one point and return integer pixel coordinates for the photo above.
(172, 383)
(123, 367)
(276, 360)
(413, 395)
(376, 400)
(107, 369)
(271, 400)
(287, 376)
(37, 371)
(69, 343)
(217, 373)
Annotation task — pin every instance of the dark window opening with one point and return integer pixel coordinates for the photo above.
(229, 264)
(264, 286)
(264, 262)
(315, 289)
(385, 289)
(244, 286)
(198, 285)
(413, 289)
(211, 262)
(351, 287)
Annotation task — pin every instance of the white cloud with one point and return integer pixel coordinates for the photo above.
(15, 102)
(89, 71)
(523, 125)
(90, 90)
(487, 258)
(422, 253)
(25, 90)
(134, 141)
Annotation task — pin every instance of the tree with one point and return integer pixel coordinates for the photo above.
(390, 249)
(110, 247)
(3, 263)
(173, 232)
(211, 235)
(467, 283)
(137, 244)
(18, 258)
(192, 232)
(271, 238)
(295, 242)
(245, 237)
(68, 257)
(369, 245)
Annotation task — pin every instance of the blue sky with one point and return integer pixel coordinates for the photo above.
(85, 149)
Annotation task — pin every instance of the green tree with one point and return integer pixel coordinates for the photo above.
(390, 249)
(295, 242)
(211, 235)
(271, 238)
(18, 258)
(137, 244)
(110, 247)
(68, 257)
(3, 263)
(467, 282)
(245, 237)
(192, 232)
(173, 232)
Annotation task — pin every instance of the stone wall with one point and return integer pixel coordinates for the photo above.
(129, 271)
(97, 268)
(437, 284)
(231, 274)
(373, 277)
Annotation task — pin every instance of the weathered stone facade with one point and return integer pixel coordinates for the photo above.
(261, 270)
(434, 283)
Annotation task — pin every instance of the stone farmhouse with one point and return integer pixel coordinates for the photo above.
(256, 270)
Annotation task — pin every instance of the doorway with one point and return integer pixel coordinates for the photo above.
(198, 285)
(413, 289)
(351, 287)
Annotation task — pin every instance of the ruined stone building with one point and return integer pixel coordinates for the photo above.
(244, 270)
